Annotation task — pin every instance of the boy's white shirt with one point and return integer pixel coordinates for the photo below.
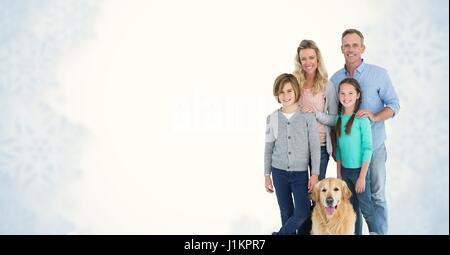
(288, 115)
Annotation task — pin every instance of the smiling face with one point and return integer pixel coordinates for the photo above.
(329, 193)
(348, 96)
(308, 61)
(352, 48)
(286, 95)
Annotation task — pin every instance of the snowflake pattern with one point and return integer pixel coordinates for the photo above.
(39, 149)
(42, 32)
(414, 50)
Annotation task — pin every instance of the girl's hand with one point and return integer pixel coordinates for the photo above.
(323, 136)
(268, 184)
(360, 185)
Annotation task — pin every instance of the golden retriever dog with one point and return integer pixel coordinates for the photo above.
(333, 213)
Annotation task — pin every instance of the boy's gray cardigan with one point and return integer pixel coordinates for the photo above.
(291, 143)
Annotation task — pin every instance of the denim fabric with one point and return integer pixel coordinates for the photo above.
(291, 188)
(377, 172)
(361, 201)
(324, 157)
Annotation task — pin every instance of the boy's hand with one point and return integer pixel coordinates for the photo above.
(312, 182)
(268, 184)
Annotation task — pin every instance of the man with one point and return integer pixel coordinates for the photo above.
(379, 103)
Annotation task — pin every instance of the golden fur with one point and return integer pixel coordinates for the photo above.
(333, 213)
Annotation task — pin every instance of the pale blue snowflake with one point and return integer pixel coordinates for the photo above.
(413, 47)
(40, 149)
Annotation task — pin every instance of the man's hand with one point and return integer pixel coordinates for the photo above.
(364, 112)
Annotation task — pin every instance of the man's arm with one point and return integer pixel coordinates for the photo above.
(388, 96)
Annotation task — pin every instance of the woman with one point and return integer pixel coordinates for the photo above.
(317, 95)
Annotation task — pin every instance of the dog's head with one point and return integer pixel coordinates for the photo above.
(330, 193)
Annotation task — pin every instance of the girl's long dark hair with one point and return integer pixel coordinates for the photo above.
(348, 126)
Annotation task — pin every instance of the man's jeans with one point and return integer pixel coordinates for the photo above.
(377, 171)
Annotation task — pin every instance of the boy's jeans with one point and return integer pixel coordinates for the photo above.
(291, 188)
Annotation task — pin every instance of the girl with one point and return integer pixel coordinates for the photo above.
(354, 151)
(317, 96)
(292, 138)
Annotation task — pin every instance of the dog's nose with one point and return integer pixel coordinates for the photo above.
(329, 201)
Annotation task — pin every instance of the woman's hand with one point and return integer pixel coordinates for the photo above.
(308, 109)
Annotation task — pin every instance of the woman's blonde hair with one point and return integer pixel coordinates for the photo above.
(321, 77)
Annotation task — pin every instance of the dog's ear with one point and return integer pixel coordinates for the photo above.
(346, 193)
(315, 193)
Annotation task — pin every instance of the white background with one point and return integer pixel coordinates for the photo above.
(172, 97)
